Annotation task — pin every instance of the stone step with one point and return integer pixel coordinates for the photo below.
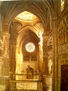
(27, 90)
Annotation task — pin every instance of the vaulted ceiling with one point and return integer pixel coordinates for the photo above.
(43, 9)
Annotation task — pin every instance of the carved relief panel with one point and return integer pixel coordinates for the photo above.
(63, 31)
(63, 36)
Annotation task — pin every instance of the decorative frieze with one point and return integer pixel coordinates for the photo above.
(63, 32)
(63, 49)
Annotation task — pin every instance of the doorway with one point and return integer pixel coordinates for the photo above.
(64, 78)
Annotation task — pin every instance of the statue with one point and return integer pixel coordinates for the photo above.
(6, 45)
(30, 72)
(50, 67)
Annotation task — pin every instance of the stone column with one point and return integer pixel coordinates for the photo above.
(6, 37)
(41, 53)
(45, 55)
(0, 21)
(55, 54)
(5, 55)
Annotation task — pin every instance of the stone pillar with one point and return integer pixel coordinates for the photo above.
(41, 53)
(0, 21)
(1, 66)
(55, 54)
(6, 37)
(45, 55)
(5, 55)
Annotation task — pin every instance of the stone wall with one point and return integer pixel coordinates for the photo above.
(62, 46)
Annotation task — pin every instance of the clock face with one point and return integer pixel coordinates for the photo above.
(30, 47)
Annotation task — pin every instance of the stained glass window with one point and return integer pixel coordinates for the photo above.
(30, 47)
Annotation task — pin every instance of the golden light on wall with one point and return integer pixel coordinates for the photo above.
(30, 47)
(50, 63)
(62, 5)
(26, 16)
(39, 29)
(19, 60)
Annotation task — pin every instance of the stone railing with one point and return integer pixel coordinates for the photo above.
(8, 84)
(19, 82)
(35, 84)
(25, 76)
(25, 85)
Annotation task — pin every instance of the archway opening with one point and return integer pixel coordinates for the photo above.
(26, 38)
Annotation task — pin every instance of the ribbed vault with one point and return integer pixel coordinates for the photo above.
(40, 9)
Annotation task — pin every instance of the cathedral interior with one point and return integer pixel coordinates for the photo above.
(34, 45)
